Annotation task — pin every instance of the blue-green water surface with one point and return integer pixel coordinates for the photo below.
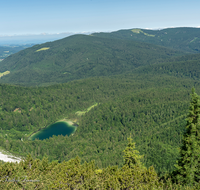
(58, 128)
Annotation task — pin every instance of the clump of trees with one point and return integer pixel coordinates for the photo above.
(152, 109)
(188, 167)
(73, 174)
(41, 174)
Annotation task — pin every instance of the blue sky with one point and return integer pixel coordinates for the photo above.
(59, 16)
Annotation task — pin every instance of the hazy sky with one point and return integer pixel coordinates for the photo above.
(57, 16)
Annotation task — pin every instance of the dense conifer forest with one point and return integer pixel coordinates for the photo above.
(142, 92)
(184, 38)
(78, 57)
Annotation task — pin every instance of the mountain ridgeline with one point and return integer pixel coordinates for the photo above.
(140, 83)
(183, 39)
(78, 57)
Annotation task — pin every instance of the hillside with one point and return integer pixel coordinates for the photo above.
(151, 108)
(182, 67)
(183, 39)
(78, 57)
(139, 89)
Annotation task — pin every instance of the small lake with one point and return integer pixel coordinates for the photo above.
(58, 128)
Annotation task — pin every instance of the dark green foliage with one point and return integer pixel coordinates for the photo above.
(150, 108)
(182, 67)
(41, 174)
(36, 174)
(149, 103)
(102, 54)
(78, 57)
(131, 156)
(188, 168)
(184, 39)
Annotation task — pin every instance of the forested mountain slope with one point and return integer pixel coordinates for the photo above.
(150, 108)
(78, 57)
(187, 66)
(184, 38)
(141, 89)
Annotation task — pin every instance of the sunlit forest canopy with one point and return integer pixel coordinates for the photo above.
(114, 89)
(78, 57)
(151, 108)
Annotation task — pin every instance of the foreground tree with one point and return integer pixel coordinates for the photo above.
(134, 175)
(132, 156)
(188, 167)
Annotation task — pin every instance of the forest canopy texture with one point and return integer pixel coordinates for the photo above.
(138, 135)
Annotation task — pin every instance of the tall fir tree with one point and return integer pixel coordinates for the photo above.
(188, 167)
(132, 156)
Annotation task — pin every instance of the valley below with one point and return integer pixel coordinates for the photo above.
(100, 96)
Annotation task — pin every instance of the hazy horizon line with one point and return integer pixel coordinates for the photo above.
(86, 32)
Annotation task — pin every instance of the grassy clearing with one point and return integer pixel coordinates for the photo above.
(67, 73)
(193, 40)
(140, 31)
(42, 49)
(136, 31)
(4, 73)
(80, 113)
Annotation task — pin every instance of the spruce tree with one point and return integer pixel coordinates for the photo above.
(188, 167)
(132, 156)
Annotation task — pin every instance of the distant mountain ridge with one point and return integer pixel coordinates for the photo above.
(183, 39)
(80, 56)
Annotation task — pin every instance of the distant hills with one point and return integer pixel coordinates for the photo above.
(7, 50)
(99, 54)
(184, 38)
(30, 38)
(78, 57)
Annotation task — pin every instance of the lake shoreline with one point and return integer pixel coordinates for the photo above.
(69, 122)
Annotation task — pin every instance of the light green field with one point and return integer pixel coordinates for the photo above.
(136, 31)
(42, 49)
(193, 40)
(4, 73)
(80, 113)
(67, 73)
(140, 31)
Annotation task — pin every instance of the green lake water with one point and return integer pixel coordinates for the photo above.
(58, 128)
